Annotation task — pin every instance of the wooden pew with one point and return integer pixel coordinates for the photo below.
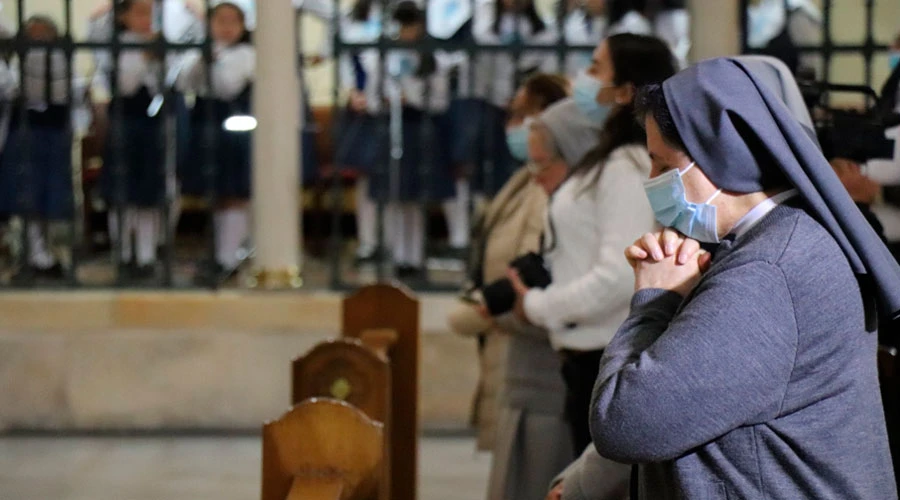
(347, 370)
(385, 307)
(322, 449)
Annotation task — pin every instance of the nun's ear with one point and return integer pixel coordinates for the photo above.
(625, 93)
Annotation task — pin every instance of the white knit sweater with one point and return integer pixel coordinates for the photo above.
(593, 221)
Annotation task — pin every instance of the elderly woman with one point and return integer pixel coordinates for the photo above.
(511, 226)
(532, 441)
(749, 371)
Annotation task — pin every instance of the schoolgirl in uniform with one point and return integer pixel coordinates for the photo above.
(417, 84)
(358, 144)
(234, 61)
(451, 20)
(36, 162)
(508, 23)
(133, 177)
(585, 24)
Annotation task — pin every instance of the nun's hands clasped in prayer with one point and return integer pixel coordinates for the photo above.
(668, 261)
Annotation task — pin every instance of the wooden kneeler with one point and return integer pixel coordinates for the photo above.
(374, 309)
(322, 449)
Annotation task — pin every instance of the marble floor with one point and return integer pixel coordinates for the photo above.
(193, 468)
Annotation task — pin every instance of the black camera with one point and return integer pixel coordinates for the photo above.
(857, 135)
(499, 296)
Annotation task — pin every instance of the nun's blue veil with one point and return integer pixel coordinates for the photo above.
(745, 140)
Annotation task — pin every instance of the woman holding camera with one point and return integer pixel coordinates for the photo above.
(510, 226)
(597, 208)
(532, 442)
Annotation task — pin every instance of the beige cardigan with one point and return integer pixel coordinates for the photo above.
(513, 223)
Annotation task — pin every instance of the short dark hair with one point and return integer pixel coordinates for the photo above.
(651, 102)
(546, 89)
(529, 12)
(408, 13)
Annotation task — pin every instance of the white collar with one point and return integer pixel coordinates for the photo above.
(760, 211)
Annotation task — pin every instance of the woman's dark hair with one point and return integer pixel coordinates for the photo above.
(546, 89)
(530, 12)
(246, 37)
(407, 13)
(121, 7)
(651, 102)
(638, 60)
(617, 9)
(656, 6)
(361, 10)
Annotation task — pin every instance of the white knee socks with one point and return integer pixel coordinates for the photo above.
(142, 224)
(147, 228)
(232, 226)
(456, 212)
(366, 219)
(406, 225)
(39, 251)
(122, 231)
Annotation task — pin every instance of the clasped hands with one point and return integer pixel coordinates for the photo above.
(667, 260)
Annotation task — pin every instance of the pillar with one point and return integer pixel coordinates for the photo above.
(276, 148)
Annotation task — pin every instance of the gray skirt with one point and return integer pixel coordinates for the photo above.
(530, 450)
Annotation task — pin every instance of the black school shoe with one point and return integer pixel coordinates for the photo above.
(32, 274)
(144, 273)
(409, 273)
(211, 273)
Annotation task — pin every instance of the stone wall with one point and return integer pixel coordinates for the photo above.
(159, 361)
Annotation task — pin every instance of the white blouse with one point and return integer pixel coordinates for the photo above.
(593, 221)
(232, 71)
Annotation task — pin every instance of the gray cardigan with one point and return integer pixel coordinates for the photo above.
(761, 384)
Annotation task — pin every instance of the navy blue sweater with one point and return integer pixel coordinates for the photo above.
(761, 384)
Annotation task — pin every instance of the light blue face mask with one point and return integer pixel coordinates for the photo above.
(511, 38)
(401, 64)
(584, 92)
(671, 208)
(894, 59)
(517, 141)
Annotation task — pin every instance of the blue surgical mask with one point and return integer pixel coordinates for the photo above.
(671, 208)
(894, 59)
(401, 64)
(584, 92)
(517, 141)
(511, 38)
